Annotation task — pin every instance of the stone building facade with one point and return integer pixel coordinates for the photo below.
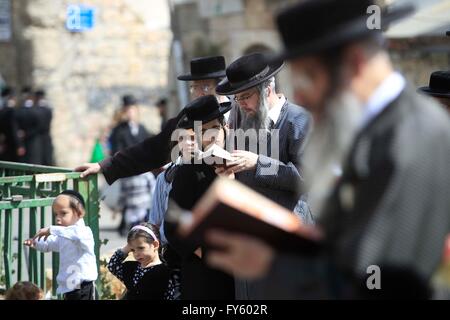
(236, 27)
(85, 73)
(230, 28)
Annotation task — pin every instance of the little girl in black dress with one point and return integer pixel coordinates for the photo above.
(146, 278)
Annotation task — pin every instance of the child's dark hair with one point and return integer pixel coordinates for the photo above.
(76, 201)
(139, 233)
(24, 290)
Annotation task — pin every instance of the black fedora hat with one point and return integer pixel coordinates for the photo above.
(439, 85)
(247, 72)
(204, 109)
(205, 68)
(312, 26)
(128, 100)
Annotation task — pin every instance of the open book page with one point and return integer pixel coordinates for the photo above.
(215, 156)
(232, 206)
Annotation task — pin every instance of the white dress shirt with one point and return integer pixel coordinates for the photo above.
(77, 261)
(134, 128)
(389, 89)
(274, 112)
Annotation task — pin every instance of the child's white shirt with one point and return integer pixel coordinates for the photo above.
(77, 262)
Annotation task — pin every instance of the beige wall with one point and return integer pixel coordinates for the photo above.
(86, 73)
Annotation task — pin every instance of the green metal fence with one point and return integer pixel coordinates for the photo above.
(26, 196)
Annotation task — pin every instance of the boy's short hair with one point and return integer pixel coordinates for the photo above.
(24, 290)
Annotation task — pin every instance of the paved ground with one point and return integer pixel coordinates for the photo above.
(108, 230)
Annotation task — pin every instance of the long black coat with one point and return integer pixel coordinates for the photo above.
(9, 141)
(122, 138)
(198, 281)
(45, 114)
(30, 123)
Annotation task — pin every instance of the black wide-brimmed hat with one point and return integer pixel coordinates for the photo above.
(312, 26)
(205, 68)
(204, 109)
(128, 100)
(439, 85)
(247, 72)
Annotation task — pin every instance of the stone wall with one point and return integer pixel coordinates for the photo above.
(417, 58)
(86, 73)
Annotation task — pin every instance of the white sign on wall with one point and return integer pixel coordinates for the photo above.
(5, 20)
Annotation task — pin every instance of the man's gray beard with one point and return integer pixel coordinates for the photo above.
(328, 147)
(260, 120)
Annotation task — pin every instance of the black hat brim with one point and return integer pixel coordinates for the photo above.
(206, 76)
(351, 31)
(187, 123)
(227, 88)
(434, 93)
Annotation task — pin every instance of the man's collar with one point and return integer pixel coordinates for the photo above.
(274, 113)
(389, 89)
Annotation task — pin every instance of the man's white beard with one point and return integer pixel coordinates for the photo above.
(328, 147)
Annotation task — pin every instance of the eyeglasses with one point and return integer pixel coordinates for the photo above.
(203, 88)
(244, 98)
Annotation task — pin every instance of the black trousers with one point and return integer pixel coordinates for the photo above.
(86, 292)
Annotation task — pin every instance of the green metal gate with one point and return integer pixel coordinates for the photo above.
(26, 196)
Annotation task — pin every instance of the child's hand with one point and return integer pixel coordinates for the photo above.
(29, 243)
(126, 249)
(45, 232)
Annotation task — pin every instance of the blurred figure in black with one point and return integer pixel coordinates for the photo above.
(45, 114)
(438, 88)
(162, 108)
(134, 189)
(9, 141)
(129, 131)
(29, 123)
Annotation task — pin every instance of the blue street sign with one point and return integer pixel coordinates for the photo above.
(80, 18)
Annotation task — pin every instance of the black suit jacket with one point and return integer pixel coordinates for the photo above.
(45, 114)
(198, 280)
(122, 138)
(30, 122)
(283, 184)
(390, 209)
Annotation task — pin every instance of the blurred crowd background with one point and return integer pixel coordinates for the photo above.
(86, 55)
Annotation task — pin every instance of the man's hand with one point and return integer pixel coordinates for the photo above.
(221, 171)
(88, 169)
(245, 160)
(243, 256)
(43, 233)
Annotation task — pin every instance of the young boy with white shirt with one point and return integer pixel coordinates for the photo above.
(75, 243)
